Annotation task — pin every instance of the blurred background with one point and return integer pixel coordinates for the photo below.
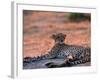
(38, 26)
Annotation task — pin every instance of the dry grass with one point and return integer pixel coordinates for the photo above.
(39, 26)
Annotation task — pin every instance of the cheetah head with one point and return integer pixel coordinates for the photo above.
(59, 38)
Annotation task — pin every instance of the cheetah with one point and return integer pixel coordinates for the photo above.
(72, 54)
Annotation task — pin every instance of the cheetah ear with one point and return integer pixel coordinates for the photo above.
(64, 35)
(53, 36)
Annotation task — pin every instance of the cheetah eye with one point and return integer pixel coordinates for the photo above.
(58, 37)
